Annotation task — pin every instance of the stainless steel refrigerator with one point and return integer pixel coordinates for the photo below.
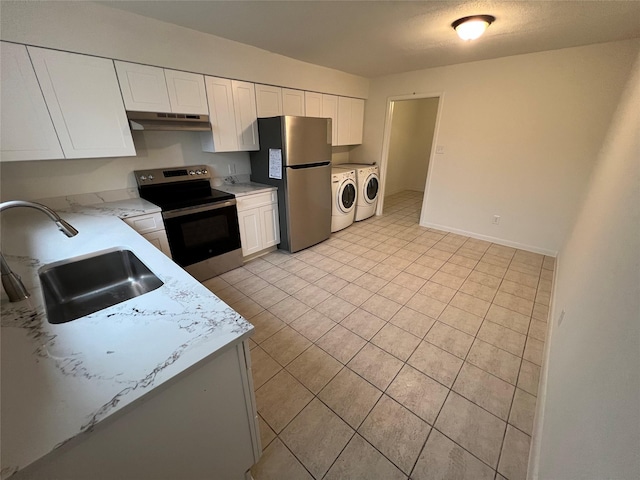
(295, 156)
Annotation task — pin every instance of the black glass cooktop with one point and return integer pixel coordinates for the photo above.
(172, 196)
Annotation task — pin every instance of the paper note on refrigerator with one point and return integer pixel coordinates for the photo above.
(275, 163)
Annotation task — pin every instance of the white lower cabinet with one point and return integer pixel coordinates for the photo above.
(151, 227)
(259, 222)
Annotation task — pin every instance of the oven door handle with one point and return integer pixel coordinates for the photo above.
(180, 212)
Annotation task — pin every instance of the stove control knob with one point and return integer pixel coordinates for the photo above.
(191, 172)
(143, 178)
(198, 172)
(205, 171)
(150, 177)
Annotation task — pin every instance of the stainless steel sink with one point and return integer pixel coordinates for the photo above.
(82, 285)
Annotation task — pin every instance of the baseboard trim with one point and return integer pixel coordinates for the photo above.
(499, 241)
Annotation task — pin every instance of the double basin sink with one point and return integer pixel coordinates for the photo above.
(86, 284)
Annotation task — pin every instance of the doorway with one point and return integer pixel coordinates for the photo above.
(408, 147)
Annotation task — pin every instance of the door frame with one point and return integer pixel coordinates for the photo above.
(384, 160)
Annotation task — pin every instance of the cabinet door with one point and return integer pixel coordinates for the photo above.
(292, 102)
(85, 103)
(144, 88)
(250, 231)
(222, 116)
(187, 92)
(27, 129)
(330, 110)
(268, 101)
(357, 121)
(159, 240)
(244, 100)
(313, 104)
(270, 225)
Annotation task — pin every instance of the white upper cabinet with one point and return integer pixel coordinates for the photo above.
(293, 102)
(187, 93)
(155, 89)
(232, 112)
(84, 100)
(350, 121)
(313, 104)
(330, 110)
(144, 88)
(27, 131)
(268, 101)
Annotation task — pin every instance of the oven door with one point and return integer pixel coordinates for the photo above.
(199, 233)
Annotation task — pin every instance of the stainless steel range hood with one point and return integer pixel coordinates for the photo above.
(168, 121)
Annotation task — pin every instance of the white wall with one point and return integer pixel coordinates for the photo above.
(98, 30)
(520, 133)
(410, 144)
(591, 417)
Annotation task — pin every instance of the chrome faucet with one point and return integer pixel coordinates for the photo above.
(11, 282)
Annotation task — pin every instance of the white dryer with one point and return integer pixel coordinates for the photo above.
(368, 180)
(344, 193)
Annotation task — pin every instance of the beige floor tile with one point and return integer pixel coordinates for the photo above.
(478, 290)
(522, 278)
(515, 454)
(281, 399)
(502, 337)
(485, 390)
(381, 307)
(450, 339)
(216, 283)
(463, 261)
(396, 432)
(247, 308)
(269, 296)
(316, 437)
(447, 280)
(523, 411)
(230, 295)
(534, 351)
(455, 270)
(375, 365)
(524, 268)
(529, 377)
(489, 269)
(291, 284)
(413, 322)
(396, 262)
(508, 318)
(354, 294)
(267, 435)
(407, 254)
(442, 459)
(363, 323)
(427, 305)
(347, 272)
(370, 282)
(491, 359)
(518, 289)
(311, 274)
(511, 302)
(341, 343)
(460, 319)
(251, 285)
(470, 304)
(419, 393)
(263, 367)
(289, 309)
(273, 274)
(266, 324)
(540, 312)
(496, 260)
(312, 295)
(501, 251)
(331, 283)
(235, 276)
(359, 460)
(385, 271)
(469, 253)
(396, 292)
(409, 281)
(278, 463)
(437, 291)
(314, 368)
(442, 250)
(375, 255)
(538, 330)
(396, 341)
(335, 308)
(429, 261)
(435, 362)
(485, 279)
(421, 271)
(473, 428)
(350, 396)
(313, 325)
(285, 345)
(543, 298)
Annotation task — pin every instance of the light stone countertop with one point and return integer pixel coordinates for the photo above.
(59, 381)
(242, 189)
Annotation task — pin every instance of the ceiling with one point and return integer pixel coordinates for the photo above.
(376, 38)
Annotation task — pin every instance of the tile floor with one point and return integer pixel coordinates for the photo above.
(394, 351)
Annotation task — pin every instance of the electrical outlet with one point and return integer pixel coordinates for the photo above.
(496, 220)
(439, 149)
(561, 318)
(232, 169)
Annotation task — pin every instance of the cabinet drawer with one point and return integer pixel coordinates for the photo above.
(146, 223)
(256, 200)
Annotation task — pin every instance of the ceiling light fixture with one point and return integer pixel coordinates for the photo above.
(470, 28)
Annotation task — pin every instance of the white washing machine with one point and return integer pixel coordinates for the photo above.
(368, 180)
(344, 193)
